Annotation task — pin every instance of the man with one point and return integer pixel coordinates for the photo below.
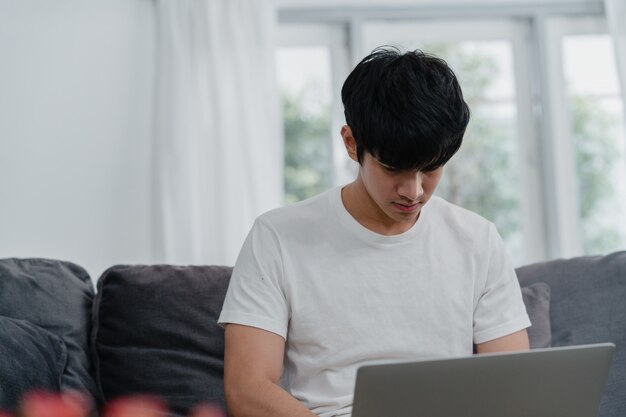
(375, 271)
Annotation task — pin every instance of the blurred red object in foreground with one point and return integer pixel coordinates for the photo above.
(136, 406)
(206, 410)
(48, 404)
(3, 414)
(75, 404)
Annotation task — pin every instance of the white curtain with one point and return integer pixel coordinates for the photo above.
(218, 136)
(616, 17)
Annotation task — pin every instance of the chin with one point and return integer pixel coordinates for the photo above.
(407, 218)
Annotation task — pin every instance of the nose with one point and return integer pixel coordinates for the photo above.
(410, 186)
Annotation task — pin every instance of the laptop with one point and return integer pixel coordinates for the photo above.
(553, 382)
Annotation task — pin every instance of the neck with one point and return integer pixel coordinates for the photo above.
(364, 210)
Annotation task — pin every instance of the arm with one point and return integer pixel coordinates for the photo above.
(512, 342)
(253, 361)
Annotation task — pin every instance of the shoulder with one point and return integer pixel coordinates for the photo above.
(303, 214)
(458, 220)
(452, 212)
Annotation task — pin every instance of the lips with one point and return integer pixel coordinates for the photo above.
(406, 207)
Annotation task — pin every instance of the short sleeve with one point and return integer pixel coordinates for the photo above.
(499, 309)
(256, 295)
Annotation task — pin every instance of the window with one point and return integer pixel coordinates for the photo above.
(592, 131)
(305, 92)
(544, 156)
(309, 64)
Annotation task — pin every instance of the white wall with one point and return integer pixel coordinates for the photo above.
(76, 87)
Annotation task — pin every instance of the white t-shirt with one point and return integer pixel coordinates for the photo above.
(343, 296)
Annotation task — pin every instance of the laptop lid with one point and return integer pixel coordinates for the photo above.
(554, 382)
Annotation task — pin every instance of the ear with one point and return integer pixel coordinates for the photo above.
(349, 142)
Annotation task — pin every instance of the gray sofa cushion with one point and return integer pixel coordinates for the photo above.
(30, 358)
(56, 296)
(537, 301)
(588, 305)
(155, 332)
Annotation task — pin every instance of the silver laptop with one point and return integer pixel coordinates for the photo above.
(553, 382)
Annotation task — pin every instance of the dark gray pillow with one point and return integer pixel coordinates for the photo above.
(537, 300)
(56, 296)
(588, 305)
(155, 332)
(30, 358)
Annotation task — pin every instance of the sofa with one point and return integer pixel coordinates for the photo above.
(152, 329)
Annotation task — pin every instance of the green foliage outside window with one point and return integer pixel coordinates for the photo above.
(596, 152)
(308, 150)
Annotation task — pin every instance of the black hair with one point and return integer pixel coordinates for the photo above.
(405, 109)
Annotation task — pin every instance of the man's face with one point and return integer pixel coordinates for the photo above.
(389, 200)
(398, 195)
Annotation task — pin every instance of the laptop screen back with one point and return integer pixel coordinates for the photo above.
(556, 382)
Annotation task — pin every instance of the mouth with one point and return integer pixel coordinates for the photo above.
(408, 208)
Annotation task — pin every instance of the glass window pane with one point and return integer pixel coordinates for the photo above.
(304, 77)
(597, 132)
